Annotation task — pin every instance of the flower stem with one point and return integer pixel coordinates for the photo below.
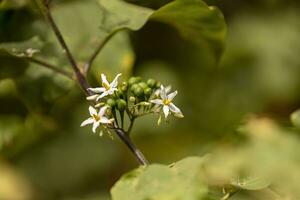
(136, 152)
(81, 79)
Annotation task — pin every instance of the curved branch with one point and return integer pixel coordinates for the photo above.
(50, 66)
(89, 63)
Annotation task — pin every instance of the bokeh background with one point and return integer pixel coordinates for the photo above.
(44, 154)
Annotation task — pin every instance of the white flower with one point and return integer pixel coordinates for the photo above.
(106, 89)
(166, 102)
(96, 118)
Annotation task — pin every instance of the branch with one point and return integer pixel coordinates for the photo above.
(137, 153)
(89, 63)
(50, 66)
(81, 79)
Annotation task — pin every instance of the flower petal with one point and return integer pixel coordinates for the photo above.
(163, 93)
(174, 108)
(102, 111)
(92, 111)
(168, 88)
(114, 83)
(87, 121)
(157, 101)
(97, 90)
(104, 120)
(172, 95)
(166, 111)
(102, 95)
(104, 80)
(95, 126)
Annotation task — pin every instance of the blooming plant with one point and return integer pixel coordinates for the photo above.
(113, 105)
(128, 100)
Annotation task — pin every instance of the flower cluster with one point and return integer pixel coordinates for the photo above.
(134, 97)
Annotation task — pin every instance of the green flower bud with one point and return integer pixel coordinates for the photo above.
(108, 112)
(158, 84)
(148, 91)
(133, 87)
(132, 99)
(151, 83)
(121, 104)
(134, 80)
(138, 91)
(111, 102)
(143, 85)
(99, 105)
(124, 86)
(119, 93)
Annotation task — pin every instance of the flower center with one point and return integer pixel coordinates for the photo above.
(96, 117)
(106, 86)
(166, 101)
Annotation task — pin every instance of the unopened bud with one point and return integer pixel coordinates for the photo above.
(92, 97)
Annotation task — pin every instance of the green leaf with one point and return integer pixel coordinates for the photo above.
(119, 14)
(195, 21)
(183, 180)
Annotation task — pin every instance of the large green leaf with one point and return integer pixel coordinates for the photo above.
(193, 19)
(183, 180)
(9, 4)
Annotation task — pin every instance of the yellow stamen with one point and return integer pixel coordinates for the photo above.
(96, 117)
(167, 101)
(106, 86)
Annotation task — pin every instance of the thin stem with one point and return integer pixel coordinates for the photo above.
(136, 152)
(50, 66)
(81, 79)
(89, 63)
(131, 125)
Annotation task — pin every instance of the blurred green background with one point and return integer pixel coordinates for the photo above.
(44, 154)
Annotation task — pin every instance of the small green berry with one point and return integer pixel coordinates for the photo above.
(121, 104)
(111, 102)
(138, 91)
(151, 83)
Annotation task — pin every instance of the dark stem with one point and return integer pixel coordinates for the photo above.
(82, 81)
(89, 63)
(137, 153)
(50, 66)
